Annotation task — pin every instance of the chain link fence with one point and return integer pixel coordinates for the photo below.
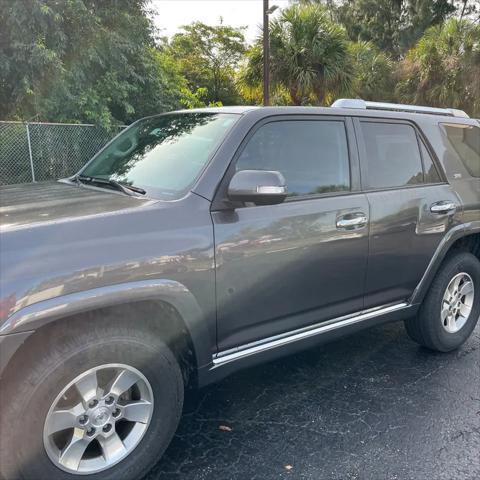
(34, 152)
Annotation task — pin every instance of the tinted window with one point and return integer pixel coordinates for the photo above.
(431, 173)
(465, 140)
(392, 155)
(162, 154)
(311, 155)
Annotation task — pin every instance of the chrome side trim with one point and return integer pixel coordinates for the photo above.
(302, 333)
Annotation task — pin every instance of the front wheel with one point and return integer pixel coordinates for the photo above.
(451, 308)
(103, 405)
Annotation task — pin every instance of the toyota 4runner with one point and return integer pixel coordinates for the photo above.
(200, 242)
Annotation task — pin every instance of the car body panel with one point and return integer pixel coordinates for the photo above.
(67, 257)
(275, 263)
(404, 235)
(28, 206)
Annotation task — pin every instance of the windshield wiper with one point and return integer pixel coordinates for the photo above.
(126, 188)
(123, 187)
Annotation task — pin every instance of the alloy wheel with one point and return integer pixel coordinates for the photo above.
(98, 419)
(457, 302)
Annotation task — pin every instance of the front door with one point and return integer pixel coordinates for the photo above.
(286, 266)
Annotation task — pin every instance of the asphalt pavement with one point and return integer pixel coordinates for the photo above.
(370, 406)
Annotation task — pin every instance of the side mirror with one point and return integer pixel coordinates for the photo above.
(257, 186)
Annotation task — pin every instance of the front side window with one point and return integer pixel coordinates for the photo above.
(465, 140)
(311, 155)
(164, 154)
(392, 155)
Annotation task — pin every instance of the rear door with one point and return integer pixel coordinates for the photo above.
(283, 267)
(411, 206)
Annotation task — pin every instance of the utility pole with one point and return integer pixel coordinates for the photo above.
(266, 56)
(266, 52)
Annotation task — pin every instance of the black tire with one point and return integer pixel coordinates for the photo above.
(426, 328)
(29, 393)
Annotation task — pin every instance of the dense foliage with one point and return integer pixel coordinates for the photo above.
(444, 68)
(101, 61)
(208, 57)
(414, 51)
(392, 25)
(82, 60)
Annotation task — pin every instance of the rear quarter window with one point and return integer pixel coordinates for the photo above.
(465, 140)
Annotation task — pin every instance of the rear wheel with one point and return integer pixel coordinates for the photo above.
(451, 308)
(104, 405)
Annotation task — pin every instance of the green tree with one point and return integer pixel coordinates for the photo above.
(208, 57)
(391, 25)
(310, 57)
(443, 69)
(373, 78)
(83, 60)
(419, 15)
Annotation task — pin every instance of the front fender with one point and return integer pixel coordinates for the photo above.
(174, 293)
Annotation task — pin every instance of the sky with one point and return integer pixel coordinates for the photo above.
(172, 14)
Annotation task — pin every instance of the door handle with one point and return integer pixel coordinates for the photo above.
(352, 221)
(444, 207)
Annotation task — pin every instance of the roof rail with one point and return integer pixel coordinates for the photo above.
(396, 107)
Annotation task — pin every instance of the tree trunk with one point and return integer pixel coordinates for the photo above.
(296, 99)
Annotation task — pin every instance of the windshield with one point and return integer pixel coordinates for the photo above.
(163, 155)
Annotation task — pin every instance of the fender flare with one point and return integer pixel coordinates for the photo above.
(454, 234)
(174, 293)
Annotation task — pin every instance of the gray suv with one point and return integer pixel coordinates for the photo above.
(200, 242)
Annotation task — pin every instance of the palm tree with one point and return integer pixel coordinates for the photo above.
(373, 78)
(310, 57)
(443, 69)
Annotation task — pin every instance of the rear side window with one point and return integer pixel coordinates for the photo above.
(465, 140)
(311, 155)
(392, 155)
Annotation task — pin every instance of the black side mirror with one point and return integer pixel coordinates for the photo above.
(257, 186)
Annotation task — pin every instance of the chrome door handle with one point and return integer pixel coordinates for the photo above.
(352, 221)
(443, 207)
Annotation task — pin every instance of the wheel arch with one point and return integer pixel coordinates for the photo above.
(165, 308)
(465, 237)
(468, 243)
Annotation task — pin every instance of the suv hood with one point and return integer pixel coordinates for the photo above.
(39, 203)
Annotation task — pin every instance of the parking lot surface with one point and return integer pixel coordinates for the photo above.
(370, 406)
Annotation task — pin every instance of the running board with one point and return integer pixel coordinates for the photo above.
(276, 341)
